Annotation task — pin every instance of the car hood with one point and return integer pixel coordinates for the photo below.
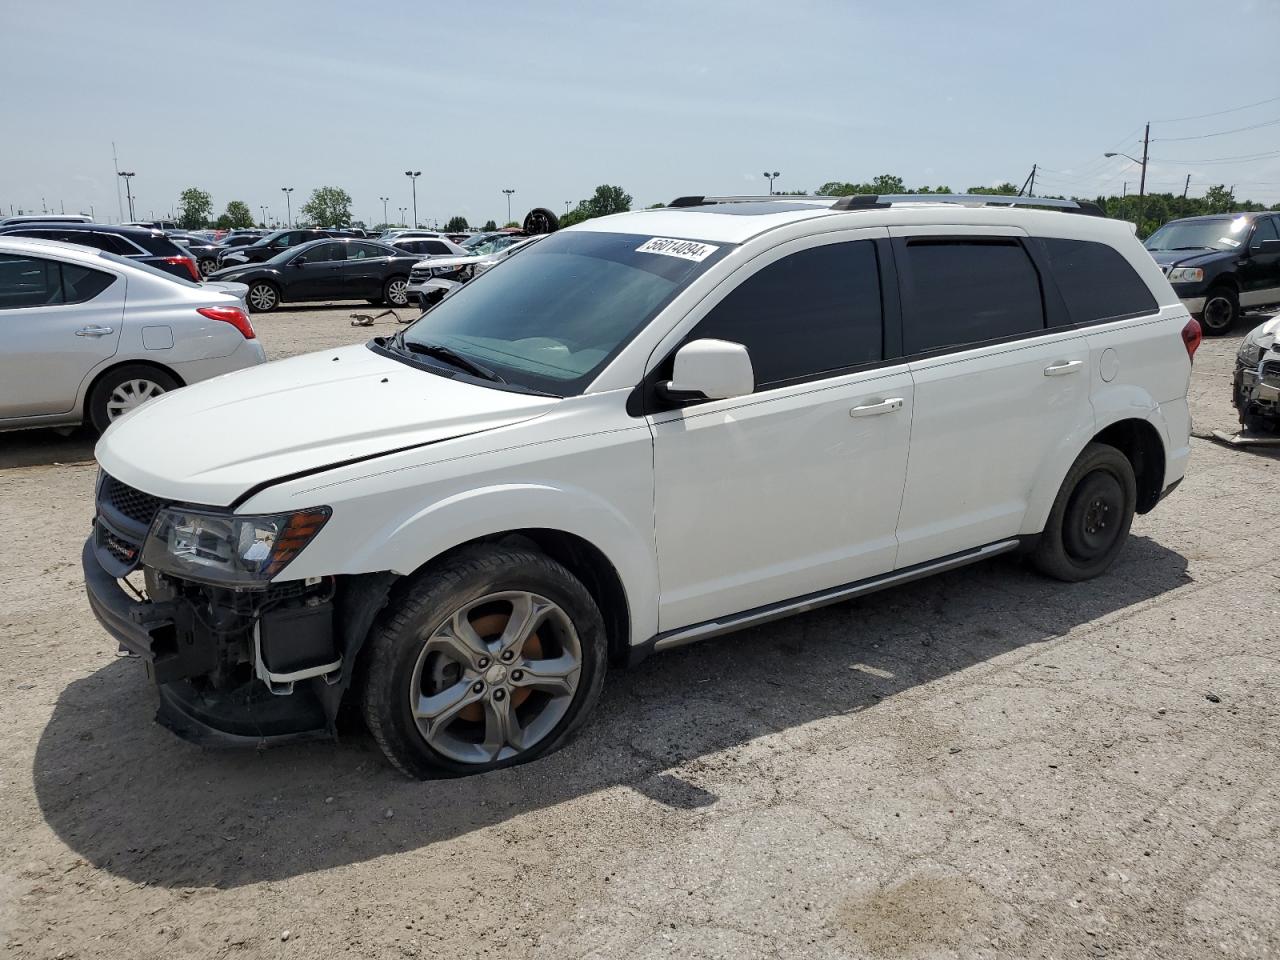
(212, 442)
(1170, 258)
(458, 261)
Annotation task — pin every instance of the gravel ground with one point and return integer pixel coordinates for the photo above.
(985, 764)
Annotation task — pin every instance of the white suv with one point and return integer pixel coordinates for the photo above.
(648, 429)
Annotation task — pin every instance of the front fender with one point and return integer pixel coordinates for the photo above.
(410, 540)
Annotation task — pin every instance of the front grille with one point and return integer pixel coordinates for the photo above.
(139, 507)
(417, 275)
(124, 553)
(1271, 368)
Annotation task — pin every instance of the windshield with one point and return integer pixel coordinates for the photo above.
(287, 254)
(550, 319)
(270, 238)
(1223, 234)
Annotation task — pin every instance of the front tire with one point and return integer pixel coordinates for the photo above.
(262, 297)
(490, 659)
(123, 389)
(207, 266)
(1221, 311)
(1090, 519)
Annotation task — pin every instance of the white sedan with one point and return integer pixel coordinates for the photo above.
(88, 336)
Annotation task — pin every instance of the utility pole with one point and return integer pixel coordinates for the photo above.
(1030, 183)
(128, 177)
(1186, 186)
(115, 162)
(1142, 183)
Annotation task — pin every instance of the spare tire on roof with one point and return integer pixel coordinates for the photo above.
(540, 220)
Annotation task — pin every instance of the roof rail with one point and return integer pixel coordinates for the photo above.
(700, 201)
(865, 201)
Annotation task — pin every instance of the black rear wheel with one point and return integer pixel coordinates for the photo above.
(1090, 519)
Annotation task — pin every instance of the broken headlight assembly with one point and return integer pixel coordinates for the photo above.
(229, 550)
(1251, 348)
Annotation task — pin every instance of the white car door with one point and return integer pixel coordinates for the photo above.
(794, 488)
(996, 387)
(58, 320)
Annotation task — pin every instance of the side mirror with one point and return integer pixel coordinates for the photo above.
(711, 369)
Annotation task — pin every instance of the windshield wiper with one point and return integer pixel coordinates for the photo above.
(1197, 247)
(439, 351)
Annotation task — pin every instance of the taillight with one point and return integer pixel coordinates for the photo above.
(187, 262)
(1191, 337)
(232, 315)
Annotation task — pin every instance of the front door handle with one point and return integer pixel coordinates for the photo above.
(877, 408)
(94, 332)
(1058, 369)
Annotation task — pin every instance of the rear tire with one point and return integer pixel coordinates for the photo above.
(1221, 311)
(1091, 516)
(124, 388)
(433, 702)
(207, 266)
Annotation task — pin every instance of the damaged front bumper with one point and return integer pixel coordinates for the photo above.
(238, 669)
(1256, 392)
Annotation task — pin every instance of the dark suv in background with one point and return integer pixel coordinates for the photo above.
(141, 244)
(271, 245)
(1219, 264)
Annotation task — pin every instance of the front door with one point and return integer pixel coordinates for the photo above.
(1259, 271)
(795, 488)
(58, 321)
(995, 388)
(316, 276)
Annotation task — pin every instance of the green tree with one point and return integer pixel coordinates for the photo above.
(489, 225)
(1219, 200)
(1002, 189)
(328, 207)
(655, 206)
(606, 200)
(195, 208)
(509, 224)
(456, 225)
(236, 217)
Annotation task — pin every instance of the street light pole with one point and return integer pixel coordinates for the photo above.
(128, 176)
(288, 206)
(508, 192)
(384, 209)
(402, 210)
(1142, 182)
(413, 176)
(771, 177)
(263, 208)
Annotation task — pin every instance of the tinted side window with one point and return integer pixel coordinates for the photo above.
(1096, 282)
(325, 252)
(28, 282)
(813, 312)
(1266, 230)
(362, 251)
(435, 247)
(966, 291)
(81, 284)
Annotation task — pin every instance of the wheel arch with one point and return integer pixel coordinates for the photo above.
(115, 364)
(1144, 448)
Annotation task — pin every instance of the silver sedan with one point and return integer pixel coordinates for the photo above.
(88, 336)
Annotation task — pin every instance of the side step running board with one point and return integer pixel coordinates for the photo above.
(787, 608)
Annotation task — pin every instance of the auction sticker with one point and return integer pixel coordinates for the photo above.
(684, 249)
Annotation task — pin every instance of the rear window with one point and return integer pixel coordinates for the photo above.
(148, 268)
(158, 245)
(965, 291)
(1096, 281)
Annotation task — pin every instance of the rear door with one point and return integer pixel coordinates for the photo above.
(995, 387)
(361, 276)
(58, 321)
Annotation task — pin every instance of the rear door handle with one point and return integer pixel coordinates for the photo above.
(1058, 369)
(94, 331)
(877, 408)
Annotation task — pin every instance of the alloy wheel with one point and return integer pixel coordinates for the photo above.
(1218, 312)
(262, 297)
(130, 395)
(398, 292)
(496, 677)
(207, 267)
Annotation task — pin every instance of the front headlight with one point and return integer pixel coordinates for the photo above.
(1251, 350)
(226, 549)
(1186, 275)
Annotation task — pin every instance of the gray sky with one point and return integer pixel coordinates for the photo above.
(553, 98)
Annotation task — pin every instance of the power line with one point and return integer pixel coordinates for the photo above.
(1217, 113)
(1243, 158)
(1221, 133)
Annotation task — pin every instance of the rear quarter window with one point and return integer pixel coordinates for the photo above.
(1096, 281)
